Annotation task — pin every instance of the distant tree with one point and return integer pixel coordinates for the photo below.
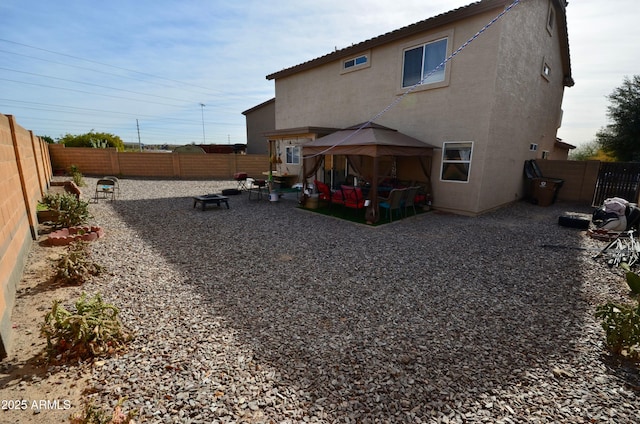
(47, 139)
(93, 139)
(621, 138)
(590, 151)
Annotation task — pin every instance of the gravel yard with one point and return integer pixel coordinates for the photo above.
(267, 313)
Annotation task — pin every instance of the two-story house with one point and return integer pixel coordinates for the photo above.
(492, 106)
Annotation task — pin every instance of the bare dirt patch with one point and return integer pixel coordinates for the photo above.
(31, 390)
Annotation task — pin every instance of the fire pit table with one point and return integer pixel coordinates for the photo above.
(210, 198)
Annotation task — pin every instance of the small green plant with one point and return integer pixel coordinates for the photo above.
(621, 324)
(75, 266)
(92, 414)
(93, 329)
(633, 279)
(71, 210)
(77, 176)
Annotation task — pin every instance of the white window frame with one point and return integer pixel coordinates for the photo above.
(293, 153)
(418, 42)
(425, 48)
(365, 62)
(355, 61)
(446, 162)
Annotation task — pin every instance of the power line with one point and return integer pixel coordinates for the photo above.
(104, 64)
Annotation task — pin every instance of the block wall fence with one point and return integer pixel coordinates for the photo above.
(101, 162)
(25, 176)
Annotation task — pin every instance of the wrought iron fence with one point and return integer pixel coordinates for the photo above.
(617, 179)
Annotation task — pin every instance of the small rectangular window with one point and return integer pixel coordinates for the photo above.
(360, 60)
(545, 154)
(293, 155)
(533, 147)
(456, 161)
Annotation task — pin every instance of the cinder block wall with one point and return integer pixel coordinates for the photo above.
(25, 173)
(101, 162)
(579, 178)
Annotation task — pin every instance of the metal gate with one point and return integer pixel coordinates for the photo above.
(617, 179)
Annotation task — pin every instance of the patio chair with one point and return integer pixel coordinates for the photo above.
(325, 193)
(105, 188)
(115, 181)
(352, 197)
(410, 199)
(257, 187)
(393, 202)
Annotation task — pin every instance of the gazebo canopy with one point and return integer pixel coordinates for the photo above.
(369, 140)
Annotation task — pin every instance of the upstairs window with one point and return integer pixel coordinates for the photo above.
(422, 60)
(360, 60)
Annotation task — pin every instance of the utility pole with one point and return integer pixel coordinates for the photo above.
(139, 142)
(202, 105)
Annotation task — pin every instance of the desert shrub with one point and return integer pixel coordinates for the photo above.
(92, 414)
(71, 210)
(92, 329)
(75, 265)
(77, 176)
(621, 324)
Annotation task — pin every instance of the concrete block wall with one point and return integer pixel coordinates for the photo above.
(579, 178)
(25, 174)
(101, 162)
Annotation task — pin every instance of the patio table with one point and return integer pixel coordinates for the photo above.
(210, 198)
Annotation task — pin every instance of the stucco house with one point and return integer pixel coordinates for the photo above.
(494, 105)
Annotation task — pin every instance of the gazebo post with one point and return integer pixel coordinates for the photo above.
(373, 210)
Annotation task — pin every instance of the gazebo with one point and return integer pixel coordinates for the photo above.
(364, 145)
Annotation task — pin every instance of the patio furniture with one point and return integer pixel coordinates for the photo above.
(393, 202)
(325, 193)
(105, 188)
(115, 181)
(409, 200)
(257, 187)
(208, 199)
(241, 178)
(352, 197)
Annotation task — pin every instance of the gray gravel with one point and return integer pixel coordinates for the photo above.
(268, 313)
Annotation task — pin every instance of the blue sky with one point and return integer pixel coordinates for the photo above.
(75, 66)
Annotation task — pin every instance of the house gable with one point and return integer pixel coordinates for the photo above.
(427, 25)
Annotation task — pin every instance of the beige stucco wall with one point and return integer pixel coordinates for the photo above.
(494, 96)
(527, 107)
(260, 120)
